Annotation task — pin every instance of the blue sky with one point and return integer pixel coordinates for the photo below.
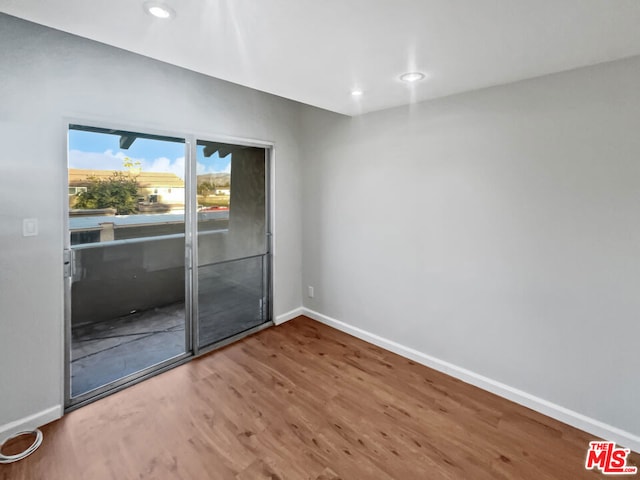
(99, 151)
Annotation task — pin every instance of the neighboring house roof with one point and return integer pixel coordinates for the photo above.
(80, 178)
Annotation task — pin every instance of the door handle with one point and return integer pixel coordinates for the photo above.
(68, 261)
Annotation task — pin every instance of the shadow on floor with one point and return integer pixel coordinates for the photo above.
(106, 351)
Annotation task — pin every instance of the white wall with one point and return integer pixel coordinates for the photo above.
(509, 244)
(46, 75)
(509, 241)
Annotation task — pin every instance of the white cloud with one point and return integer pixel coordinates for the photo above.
(114, 161)
(109, 160)
(202, 169)
(94, 160)
(163, 164)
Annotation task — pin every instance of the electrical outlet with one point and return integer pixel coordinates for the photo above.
(310, 291)
(30, 227)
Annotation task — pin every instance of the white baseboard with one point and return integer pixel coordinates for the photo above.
(575, 419)
(285, 317)
(31, 422)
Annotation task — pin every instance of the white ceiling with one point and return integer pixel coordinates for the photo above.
(317, 51)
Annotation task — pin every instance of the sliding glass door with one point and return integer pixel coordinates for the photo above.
(126, 262)
(232, 241)
(167, 253)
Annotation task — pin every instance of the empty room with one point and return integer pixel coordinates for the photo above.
(302, 240)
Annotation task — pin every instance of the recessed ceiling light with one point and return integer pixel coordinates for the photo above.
(356, 93)
(159, 10)
(412, 77)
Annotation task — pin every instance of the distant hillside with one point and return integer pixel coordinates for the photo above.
(216, 179)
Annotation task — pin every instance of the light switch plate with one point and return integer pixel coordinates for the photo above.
(29, 227)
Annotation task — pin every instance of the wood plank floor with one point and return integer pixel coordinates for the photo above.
(304, 401)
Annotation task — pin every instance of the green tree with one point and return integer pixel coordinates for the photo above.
(205, 189)
(131, 166)
(119, 191)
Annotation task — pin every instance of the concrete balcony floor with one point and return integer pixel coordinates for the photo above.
(106, 351)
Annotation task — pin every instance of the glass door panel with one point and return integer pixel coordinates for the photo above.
(126, 256)
(232, 246)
